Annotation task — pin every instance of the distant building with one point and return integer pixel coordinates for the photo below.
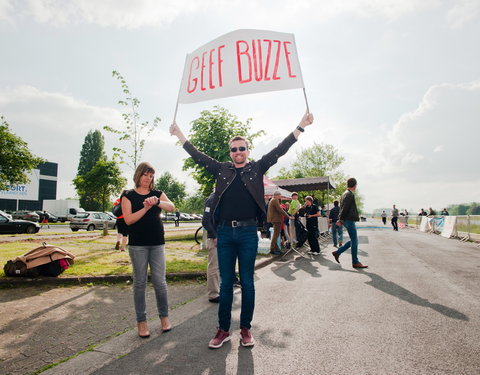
(42, 185)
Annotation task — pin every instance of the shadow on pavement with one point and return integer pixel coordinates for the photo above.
(184, 350)
(286, 268)
(389, 287)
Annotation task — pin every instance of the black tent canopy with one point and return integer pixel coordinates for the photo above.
(305, 184)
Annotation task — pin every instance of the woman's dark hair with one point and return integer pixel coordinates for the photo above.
(143, 168)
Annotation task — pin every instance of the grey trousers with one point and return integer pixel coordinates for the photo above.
(141, 257)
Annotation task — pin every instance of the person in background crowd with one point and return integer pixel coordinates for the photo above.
(275, 215)
(347, 217)
(445, 212)
(285, 229)
(122, 228)
(141, 208)
(294, 207)
(337, 231)
(395, 218)
(422, 212)
(405, 212)
(431, 212)
(177, 218)
(311, 214)
(44, 218)
(239, 203)
(213, 275)
(323, 211)
(384, 217)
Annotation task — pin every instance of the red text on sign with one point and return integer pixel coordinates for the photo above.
(202, 69)
(255, 58)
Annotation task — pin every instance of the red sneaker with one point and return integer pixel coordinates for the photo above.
(220, 338)
(246, 337)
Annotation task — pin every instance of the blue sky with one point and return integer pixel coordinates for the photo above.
(394, 85)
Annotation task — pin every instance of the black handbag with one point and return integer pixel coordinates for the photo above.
(117, 210)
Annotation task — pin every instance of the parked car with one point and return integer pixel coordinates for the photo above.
(110, 214)
(196, 216)
(168, 216)
(51, 217)
(12, 226)
(184, 216)
(91, 220)
(8, 216)
(26, 215)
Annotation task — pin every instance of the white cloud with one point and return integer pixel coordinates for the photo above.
(54, 125)
(446, 120)
(157, 13)
(463, 12)
(106, 13)
(428, 155)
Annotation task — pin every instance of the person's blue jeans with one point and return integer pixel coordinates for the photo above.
(353, 242)
(233, 243)
(141, 257)
(337, 232)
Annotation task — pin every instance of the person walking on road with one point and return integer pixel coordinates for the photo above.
(141, 209)
(337, 230)
(238, 203)
(347, 217)
(177, 218)
(384, 217)
(45, 217)
(395, 218)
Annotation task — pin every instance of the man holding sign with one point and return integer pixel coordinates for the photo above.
(238, 202)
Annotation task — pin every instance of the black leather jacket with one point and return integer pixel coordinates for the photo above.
(252, 173)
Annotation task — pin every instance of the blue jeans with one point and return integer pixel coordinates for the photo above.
(352, 233)
(337, 232)
(141, 257)
(233, 243)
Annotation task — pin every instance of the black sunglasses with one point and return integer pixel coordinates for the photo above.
(241, 148)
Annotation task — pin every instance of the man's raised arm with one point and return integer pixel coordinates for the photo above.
(176, 131)
(307, 120)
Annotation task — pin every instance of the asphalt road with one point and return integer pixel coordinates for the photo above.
(65, 228)
(415, 310)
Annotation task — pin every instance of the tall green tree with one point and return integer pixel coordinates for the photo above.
(135, 132)
(98, 185)
(92, 151)
(16, 160)
(210, 134)
(174, 189)
(193, 204)
(316, 161)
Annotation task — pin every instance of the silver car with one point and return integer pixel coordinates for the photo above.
(91, 220)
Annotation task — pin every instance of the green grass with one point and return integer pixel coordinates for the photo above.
(96, 256)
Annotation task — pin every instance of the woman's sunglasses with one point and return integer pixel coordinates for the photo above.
(241, 148)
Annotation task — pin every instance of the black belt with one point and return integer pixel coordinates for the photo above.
(238, 223)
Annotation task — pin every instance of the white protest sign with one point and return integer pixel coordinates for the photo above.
(241, 62)
(449, 227)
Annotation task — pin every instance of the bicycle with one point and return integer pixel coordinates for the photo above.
(199, 237)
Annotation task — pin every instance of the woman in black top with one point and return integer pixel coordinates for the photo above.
(141, 208)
